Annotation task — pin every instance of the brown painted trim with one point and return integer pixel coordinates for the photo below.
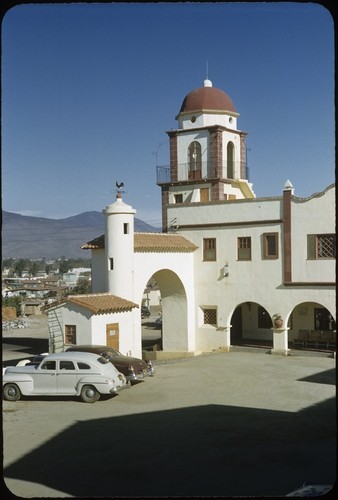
(310, 283)
(231, 224)
(287, 236)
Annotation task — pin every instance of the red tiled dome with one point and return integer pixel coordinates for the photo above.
(207, 98)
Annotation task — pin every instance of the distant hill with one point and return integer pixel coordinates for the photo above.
(25, 237)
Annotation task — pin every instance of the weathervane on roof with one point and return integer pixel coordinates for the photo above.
(119, 186)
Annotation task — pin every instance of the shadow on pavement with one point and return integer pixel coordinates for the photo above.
(210, 450)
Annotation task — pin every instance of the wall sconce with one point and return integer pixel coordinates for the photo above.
(225, 271)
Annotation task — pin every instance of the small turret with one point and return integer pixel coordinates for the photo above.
(119, 247)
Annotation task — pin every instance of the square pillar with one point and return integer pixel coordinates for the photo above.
(280, 341)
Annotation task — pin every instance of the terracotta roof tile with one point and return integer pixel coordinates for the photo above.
(102, 303)
(151, 242)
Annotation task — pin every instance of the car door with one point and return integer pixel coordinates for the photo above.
(45, 379)
(66, 377)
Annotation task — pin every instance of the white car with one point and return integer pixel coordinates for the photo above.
(65, 374)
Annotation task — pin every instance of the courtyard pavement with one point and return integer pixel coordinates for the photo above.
(244, 423)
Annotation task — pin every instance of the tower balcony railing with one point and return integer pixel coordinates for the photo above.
(199, 171)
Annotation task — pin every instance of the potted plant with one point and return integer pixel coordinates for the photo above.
(277, 320)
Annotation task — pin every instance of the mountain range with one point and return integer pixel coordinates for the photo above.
(25, 237)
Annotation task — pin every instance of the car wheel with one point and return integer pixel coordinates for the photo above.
(12, 392)
(89, 394)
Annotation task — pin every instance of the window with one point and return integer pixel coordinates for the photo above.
(67, 365)
(125, 228)
(194, 160)
(209, 249)
(264, 320)
(321, 246)
(323, 319)
(178, 198)
(270, 246)
(230, 160)
(244, 248)
(83, 366)
(70, 334)
(111, 264)
(210, 316)
(49, 365)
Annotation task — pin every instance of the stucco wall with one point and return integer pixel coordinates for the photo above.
(315, 216)
(91, 329)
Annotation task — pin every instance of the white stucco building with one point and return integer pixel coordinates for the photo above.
(226, 261)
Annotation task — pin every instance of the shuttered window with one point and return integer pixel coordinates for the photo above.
(209, 249)
(70, 334)
(244, 248)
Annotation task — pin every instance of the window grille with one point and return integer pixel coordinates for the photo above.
(326, 246)
(210, 316)
(321, 246)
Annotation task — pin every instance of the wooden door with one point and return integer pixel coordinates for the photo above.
(112, 335)
(204, 194)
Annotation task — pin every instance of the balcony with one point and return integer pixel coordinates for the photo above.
(201, 172)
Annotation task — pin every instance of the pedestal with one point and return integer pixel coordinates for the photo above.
(280, 341)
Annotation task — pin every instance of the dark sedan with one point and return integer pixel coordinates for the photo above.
(132, 368)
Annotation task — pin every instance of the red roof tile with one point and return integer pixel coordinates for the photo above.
(102, 303)
(151, 242)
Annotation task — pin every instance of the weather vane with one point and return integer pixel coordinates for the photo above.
(119, 186)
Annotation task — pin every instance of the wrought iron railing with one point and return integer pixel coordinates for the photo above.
(202, 170)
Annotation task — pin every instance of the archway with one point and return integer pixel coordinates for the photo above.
(251, 325)
(171, 331)
(313, 326)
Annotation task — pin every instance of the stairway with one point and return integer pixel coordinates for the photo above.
(55, 327)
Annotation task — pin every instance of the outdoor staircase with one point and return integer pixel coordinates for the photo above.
(55, 327)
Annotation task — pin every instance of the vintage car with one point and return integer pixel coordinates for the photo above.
(132, 368)
(64, 374)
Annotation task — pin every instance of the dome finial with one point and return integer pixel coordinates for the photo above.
(207, 82)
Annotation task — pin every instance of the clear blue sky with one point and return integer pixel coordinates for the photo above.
(89, 91)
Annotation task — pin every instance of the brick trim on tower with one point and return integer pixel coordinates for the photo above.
(216, 151)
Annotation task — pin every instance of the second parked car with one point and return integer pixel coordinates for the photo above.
(132, 368)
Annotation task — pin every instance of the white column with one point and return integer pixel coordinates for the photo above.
(280, 341)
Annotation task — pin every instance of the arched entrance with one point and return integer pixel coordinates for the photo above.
(170, 331)
(251, 325)
(312, 326)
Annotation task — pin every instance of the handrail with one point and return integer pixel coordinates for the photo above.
(201, 170)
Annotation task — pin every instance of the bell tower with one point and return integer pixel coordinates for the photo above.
(207, 153)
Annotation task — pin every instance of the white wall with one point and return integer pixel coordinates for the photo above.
(312, 216)
(91, 329)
